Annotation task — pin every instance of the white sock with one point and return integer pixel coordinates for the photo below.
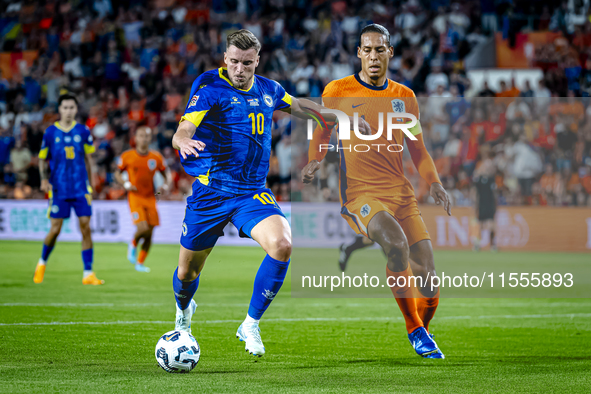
(86, 273)
(250, 321)
(42, 262)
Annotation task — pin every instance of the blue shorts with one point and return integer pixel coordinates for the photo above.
(209, 211)
(60, 208)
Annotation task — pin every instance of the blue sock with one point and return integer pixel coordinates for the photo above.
(267, 283)
(46, 252)
(87, 259)
(183, 291)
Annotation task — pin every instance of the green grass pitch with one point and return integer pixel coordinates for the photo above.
(61, 336)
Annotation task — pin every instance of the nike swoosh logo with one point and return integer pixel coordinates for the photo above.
(359, 105)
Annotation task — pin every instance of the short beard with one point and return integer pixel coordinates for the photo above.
(242, 85)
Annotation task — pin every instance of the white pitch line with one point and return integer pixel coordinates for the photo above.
(308, 319)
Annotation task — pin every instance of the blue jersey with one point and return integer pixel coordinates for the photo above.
(235, 126)
(65, 149)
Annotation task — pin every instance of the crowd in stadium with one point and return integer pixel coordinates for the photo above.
(132, 63)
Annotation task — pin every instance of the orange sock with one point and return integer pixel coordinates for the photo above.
(142, 256)
(404, 298)
(133, 243)
(426, 307)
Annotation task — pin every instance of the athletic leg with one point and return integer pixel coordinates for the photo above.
(386, 231)
(423, 265)
(88, 277)
(359, 242)
(185, 282)
(48, 244)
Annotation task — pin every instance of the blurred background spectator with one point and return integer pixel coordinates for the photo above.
(132, 62)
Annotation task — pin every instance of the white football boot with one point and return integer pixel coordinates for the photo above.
(183, 317)
(251, 335)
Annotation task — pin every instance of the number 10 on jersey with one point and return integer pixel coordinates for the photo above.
(259, 127)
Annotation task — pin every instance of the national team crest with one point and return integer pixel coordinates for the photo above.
(268, 100)
(152, 164)
(398, 105)
(365, 210)
(193, 100)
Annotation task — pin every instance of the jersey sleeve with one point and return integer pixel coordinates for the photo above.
(203, 98)
(88, 141)
(282, 98)
(122, 162)
(45, 145)
(413, 108)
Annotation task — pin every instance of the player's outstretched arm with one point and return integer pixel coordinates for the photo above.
(426, 168)
(183, 140)
(45, 185)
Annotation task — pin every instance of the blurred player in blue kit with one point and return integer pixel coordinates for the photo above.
(224, 139)
(67, 146)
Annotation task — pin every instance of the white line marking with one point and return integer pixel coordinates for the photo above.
(305, 319)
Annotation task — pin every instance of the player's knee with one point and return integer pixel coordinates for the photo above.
(398, 251)
(281, 249)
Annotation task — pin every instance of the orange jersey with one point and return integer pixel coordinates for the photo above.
(141, 170)
(369, 167)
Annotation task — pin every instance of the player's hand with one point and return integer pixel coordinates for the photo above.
(364, 127)
(46, 186)
(189, 146)
(129, 187)
(440, 196)
(309, 170)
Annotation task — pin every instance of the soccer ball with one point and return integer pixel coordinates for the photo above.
(177, 352)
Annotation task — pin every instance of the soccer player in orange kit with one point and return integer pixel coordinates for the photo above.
(377, 200)
(141, 164)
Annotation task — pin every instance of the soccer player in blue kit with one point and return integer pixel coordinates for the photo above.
(224, 139)
(68, 146)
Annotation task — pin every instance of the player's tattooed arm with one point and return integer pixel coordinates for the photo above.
(45, 185)
(183, 140)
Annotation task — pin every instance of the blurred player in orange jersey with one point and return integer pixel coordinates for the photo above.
(141, 164)
(377, 200)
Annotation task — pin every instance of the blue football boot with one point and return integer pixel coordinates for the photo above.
(422, 342)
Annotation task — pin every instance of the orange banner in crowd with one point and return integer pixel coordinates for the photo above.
(518, 228)
(9, 62)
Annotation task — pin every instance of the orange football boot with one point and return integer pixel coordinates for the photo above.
(91, 279)
(39, 273)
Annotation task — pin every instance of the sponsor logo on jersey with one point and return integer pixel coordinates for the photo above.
(193, 100)
(152, 164)
(235, 100)
(67, 139)
(268, 100)
(77, 138)
(365, 210)
(254, 102)
(201, 87)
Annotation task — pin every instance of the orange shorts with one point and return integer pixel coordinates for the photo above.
(143, 210)
(359, 211)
